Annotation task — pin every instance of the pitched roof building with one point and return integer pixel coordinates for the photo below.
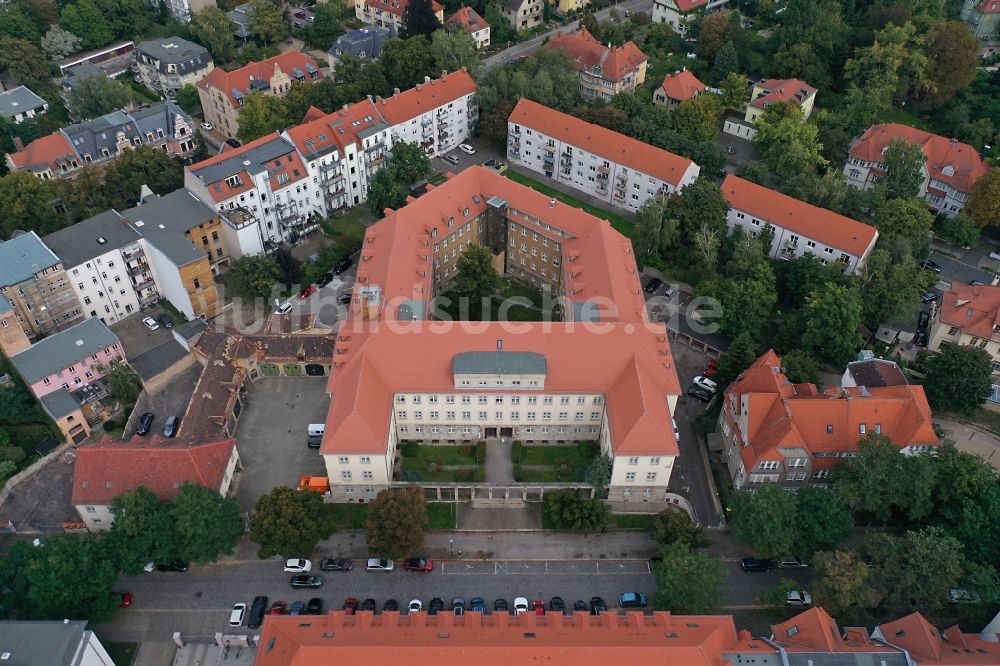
(930, 647)
(469, 20)
(364, 42)
(969, 315)
(678, 87)
(765, 94)
(794, 434)
(983, 19)
(523, 14)
(51, 642)
(950, 170)
(70, 358)
(799, 228)
(168, 64)
(20, 104)
(679, 14)
(389, 13)
(604, 71)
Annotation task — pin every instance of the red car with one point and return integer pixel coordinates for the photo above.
(709, 371)
(278, 608)
(418, 564)
(350, 605)
(539, 607)
(124, 599)
(308, 291)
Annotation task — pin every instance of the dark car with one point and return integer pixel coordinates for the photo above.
(701, 394)
(369, 605)
(145, 423)
(233, 143)
(653, 285)
(458, 606)
(632, 600)
(324, 279)
(315, 606)
(930, 265)
(477, 605)
(314, 441)
(436, 605)
(336, 564)
(165, 321)
(344, 299)
(500, 606)
(342, 265)
(597, 606)
(929, 296)
(557, 605)
(418, 564)
(257, 609)
(390, 605)
(749, 564)
(923, 319)
(307, 581)
(921, 338)
(580, 605)
(177, 566)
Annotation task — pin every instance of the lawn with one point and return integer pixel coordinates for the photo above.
(123, 654)
(350, 227)
(441, 516)
(639, 521)
(428, 463)
(619, 222)
(348, 516)
(449, 304)
(902, 117)
(558, 463)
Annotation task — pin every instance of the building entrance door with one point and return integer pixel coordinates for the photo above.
(490, 432)
(506, 432)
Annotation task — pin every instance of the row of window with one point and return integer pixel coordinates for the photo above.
(630, 477)
(404, 399)
(418, 415)
(454, 430)
(346, 476)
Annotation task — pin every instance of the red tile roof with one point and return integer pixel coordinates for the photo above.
(973, 309)
(424, 97)
(682, 85)
(591, 55)
(810, 221)
(782, 90)
(688, 5)
(335, 130)
(929, 646)
(611, 145)
(397, 7)
(46, 151)
(988, 7)
(962, 159)
(284, 159)
(264, 70)
(108, 468)
(468, 19)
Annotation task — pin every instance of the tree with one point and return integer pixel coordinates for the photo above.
(818, 23)
(959, 230)
(740, 356)
(747, 303)
(567, 509)
(656, 226)
(255, 275)
(727, 61)
(419, 19)
(142, 531)
(289, 522)
(825, 520)
(187, 98)
(789, 146)
(25, 62)
(984, 200)
(97, 95)
(673, 525)
(800, 367)
(213, 29)
(706, 244)
(291, 268)
(905, 224)
(842, 583)
(959, 378)
(206, 523)
(830, 321)
(261, 115)
(698, 118)
(395, 524)
(325, 27)
(454, 50)
(875, 481)
(916, 570)
(598, 474)
(477, 280)
(409, 163)
(952, 57)
(958, 476)
(712, 31)
(267, 21)
(904, 162)
(688, 582)
(799, 61)
(149, 166)
(85, 20)
(734, 91)
(13, 23)
(124, 381)
(889, 288)
(407, 61)
(26, 202)
(58, 43)
(384, 192)
(975, 521)
(766, 520)
(83, 195)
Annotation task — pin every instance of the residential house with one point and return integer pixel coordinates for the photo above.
(365, 42)
(982, 17)
(604, 71)
(795, 434)
(676, 88)
(469, 20)
(222, 93)
(53, 643)
(71, 79)
(66, 410)
(102, 140)
(763, 95)
(567, 6)
(523, 14)
(20, 103)
(680, 14)
(37, 295)
(69, 359)
(168, 64)
(968, 315)
(928, 646)
(797, 228)
(949, 172)
(240, 19)
(183, 10)
(108, 468)
(389, 13)
(600, 162)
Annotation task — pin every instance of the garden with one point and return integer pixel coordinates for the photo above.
(444, 463)
(546, 464)
(448, 304)
(23, 424)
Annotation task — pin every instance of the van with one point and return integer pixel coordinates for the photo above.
(317, 429)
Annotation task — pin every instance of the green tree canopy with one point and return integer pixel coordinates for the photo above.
(142, 531)
(27, 204)
(255, 275)
(326, 26)
(267, 21)
(788, 144)
(187, 98)
(396, 520)
(453, 50)
(842, 583)
(689, 582)
(213, 30)
(125, 177)
(59, 43)
(207, 524)
(915, 571)
(477, 279)
(698, 118)
(25, 62)
(86, 21)
(261, 114)
(98, 95)
(673, 525)
(747, 303)
(384, 192)
(291, 268)
(889, 288)
(831, 319)
(959, 378)
(419, 19)
(289, 523)
(407, 61)
(766, 519)
(567, 509)
(727, 61)
(800, 367)
(409, 163)
(984, 200)
(740, 356)
(876, 481)
(124, 380)
(824, 522)
(903, 164)
(952, 53)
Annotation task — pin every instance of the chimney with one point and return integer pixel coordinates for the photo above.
(444, 75)
(145, 193)
(395, 92)
(18, 144)
(427, 79)
(346, 107)
(378, 99)
(552, 203)
(369, 97)
(419, 86)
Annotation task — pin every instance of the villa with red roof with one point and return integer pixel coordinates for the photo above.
(676, 88)
(679, 14)
(398, 375)
(949, 172)
(222, 93)
(983, 19)
(106, 469)
(969, 315)
(764, 94)
(468, 20)
(795, 434)
(604, 71)
(593, 159)
(799, 228)
(389, 13)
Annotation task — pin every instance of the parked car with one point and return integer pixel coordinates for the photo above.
(298, 565)
(278, 608)
(496, 164)
(307, 291)
(415, 606)
(798, 598)
(458, 605)
(336, 564)
(477, 605)
(580, 605)
(557, 605)
(435, 606)
(929, 296)
(390, 605)
(375, 564)
(632, 600)
(298, 607)
(791, 562)
(237, 614)
(324, 279)
(930, 265)
(418, 564)
(314, 441)
(178, 566)
(500, 606)
(538, 606)
(520, 605)
(597, 605)
(124, 599)
(284, 308)
(700, 393)
(921, 338)
(257, 608)
(233, 143)
(961, 596)
(653, 285)
(451, 158)
(342, 265)
(749, 564)
(306, 581)
(344, 299)
(145, 422)
(173, 423)
(923, 319)
(150, 323)
(207, 127)
(315, 606)
(677, 433)
(350, 605)
(165, 321)
(467, 149)
(705, 383)
(369, 605)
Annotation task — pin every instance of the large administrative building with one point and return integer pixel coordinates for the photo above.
(603, 373)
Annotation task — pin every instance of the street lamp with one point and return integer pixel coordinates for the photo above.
(451, 546)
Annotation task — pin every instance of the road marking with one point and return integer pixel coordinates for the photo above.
(548, 567)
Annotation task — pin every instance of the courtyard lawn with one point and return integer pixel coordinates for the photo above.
(513, 288)
(637, 521)
(350, 227)
(348, 516)
(441, 516)
(432, 463)
(902, 117)
(619, 222)
(575, 457)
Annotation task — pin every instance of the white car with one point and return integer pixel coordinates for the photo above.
(706, 383)
(467, 149)
(284, 308)
(520, 605)
(207, 127)
(677, 433)
(150, 323)
(375, 564)
(237, 615)
(962, 596)
(298, 565)
(416, 605)
(798, 598)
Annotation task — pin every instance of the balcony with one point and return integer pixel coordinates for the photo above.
(136, 266)
(287, 211)
(604, 170)
(427, 122)
(375, 159)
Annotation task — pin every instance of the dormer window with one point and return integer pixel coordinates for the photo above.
(948, 171)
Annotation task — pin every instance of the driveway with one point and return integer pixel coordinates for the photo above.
(271, 435)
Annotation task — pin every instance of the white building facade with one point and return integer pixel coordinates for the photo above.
(679, 14)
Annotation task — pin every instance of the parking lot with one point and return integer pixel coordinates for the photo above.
(483, 153)
(135, 337)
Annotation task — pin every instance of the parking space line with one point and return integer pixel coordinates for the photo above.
(548, 567)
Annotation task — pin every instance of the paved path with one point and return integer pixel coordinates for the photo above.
(499, 467)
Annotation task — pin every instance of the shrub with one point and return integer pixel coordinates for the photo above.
(463, 475)
(465, 449)
(7, 469)
(14, 454)
(410, 449)
(432, 467)
(410, 475)
(516, 451)
(479, 474)
(110, 426)
(588, 449)
(518, 473)
(481, 452)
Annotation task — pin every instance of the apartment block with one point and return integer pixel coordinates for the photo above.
(361, 43)
(389, 13)
(438, 114)
(52, 642)
(604, 71)
(183, 10)
(969, 315)
(600, 162)
(168, 64)
(222, 93)
(469, 21)
(763, 95)
(523, 14)
(680, 14)
(36, 292)
(794, 434)
(949, 172)
(20, 104)
(798, 228)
